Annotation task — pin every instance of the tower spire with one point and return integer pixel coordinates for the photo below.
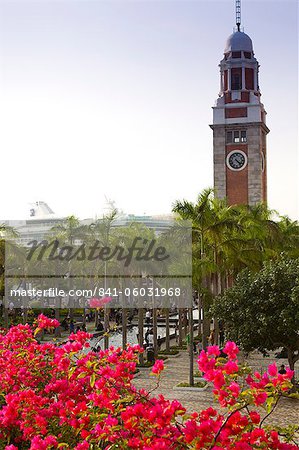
(238, 14)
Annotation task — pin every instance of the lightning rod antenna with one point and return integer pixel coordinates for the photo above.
(238, 14)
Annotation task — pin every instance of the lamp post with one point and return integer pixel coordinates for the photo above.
(106, 311)
(191, 353)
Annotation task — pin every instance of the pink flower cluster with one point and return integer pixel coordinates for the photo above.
(158, 367)
(96, 302)
(224, 376)
(60, 397)
(44, 322)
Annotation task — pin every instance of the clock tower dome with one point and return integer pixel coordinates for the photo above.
(239, 125)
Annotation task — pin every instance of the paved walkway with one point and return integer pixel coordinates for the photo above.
(177, 370)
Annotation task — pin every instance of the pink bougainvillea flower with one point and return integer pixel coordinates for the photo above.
(59, 397)
(272, 370)
(255, 417)
(231, 367)
(96, 302)
(290, 373)
(158, 367)
(213, 350)
(46, 322)
(231, 350)
(260, 398)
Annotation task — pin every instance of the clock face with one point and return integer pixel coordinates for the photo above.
(236, 160)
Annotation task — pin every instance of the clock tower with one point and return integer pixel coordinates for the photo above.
(239, 125)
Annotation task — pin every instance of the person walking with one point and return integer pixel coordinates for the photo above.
(150, 338)
(282, 370)
(188, 342)
(176, 331)
(72, 326)
(212, 338)
(148, 317)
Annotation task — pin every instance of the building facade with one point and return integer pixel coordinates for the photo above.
(42, 220)
(239, 126)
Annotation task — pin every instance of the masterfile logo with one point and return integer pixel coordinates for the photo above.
(131, 264)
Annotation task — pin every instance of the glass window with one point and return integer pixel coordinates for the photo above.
(247, 55)
(236, 54)
(243, 136)
(229, 137)
(236, 79)
(236, 136)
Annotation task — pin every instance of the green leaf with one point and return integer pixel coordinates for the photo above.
(82, 375)
(92, 379)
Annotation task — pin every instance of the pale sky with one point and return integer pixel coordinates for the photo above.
(113, 98)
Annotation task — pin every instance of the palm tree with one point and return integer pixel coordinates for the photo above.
(124, 327)
(2, 271)
(210, 219)
(101, 230)
(226, 239)
(6, 233)
(167, 331)
(68, 232)
(137, 271)
(180, 325)
(140, 332)
(289, 242)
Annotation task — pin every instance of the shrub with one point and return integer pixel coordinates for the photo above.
(55, 396)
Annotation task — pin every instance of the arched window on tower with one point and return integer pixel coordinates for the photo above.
(236, 79)
(249, 82)
(225, 81)
(236, 54)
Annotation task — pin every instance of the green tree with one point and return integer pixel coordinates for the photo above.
(2, 270)
(6, 232)
(214, 230)
(102, 231)
(67, 232)
(261, 310)
(289, 241)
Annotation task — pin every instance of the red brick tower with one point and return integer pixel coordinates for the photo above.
(239, 125)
